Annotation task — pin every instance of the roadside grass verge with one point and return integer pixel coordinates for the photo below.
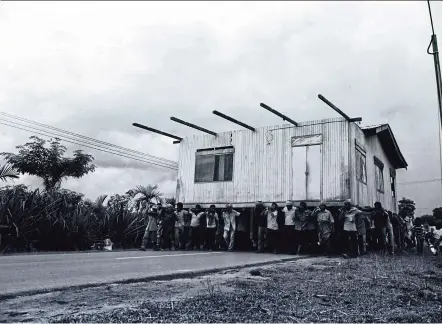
(378, 289)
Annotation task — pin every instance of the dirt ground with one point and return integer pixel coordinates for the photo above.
(369, 289)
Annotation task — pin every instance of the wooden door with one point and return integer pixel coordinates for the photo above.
(306, 176)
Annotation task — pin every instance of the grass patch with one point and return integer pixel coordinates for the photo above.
(377, 289)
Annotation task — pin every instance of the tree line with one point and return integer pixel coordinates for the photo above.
(57, 219)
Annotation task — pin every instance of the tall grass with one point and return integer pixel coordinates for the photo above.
(64, 220)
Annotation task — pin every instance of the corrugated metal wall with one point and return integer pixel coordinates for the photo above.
(263, 164)
(367, 194)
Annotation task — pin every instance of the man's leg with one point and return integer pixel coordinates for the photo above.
(420, 243)
(189, 245)
(261, 239)
(354, 244)
(160, 235)
(226, 237)
(145, 239)
(231, 240)
(185, 237)
(177, 236)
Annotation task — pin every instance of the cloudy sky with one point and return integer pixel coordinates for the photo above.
(94, 68)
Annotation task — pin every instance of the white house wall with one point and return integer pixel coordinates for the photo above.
(367, 195)
(263, 164)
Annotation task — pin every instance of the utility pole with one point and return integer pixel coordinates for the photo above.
(436, 63)
(437, 76)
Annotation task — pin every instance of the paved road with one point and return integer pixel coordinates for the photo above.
(21, 273)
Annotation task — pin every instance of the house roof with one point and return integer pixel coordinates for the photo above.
(388, 142)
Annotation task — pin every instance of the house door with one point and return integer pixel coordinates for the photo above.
(306, 177)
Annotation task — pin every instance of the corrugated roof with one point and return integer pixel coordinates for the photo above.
(373, 126)
(387, 139)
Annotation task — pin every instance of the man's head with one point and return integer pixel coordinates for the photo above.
(322, 206)
(377, 205)
(229, 207)
(169, 207)
(289, 204)
(179, 206)
(212, 208)
(302, 206)
(418, 221)
(274, 206)
(348, 204)
(198, 208)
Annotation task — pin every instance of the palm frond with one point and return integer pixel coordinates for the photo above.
(7, 172)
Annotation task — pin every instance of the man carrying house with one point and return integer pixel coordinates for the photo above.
(382, 226)
(168, 221)
(229, 216)
(151, 229)
(363, 225)
(348, 216)
(300, 221)
(211, 227)
(325, 223)
(289, 212)
(259, 226)
(181, 227)
(195, 229)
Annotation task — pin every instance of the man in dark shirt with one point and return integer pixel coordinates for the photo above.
(259, 223)
(381, 219)
(169, 219)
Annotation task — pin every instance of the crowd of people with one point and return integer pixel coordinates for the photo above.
(350, 231)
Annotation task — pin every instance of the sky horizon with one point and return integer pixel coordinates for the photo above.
(94, 68)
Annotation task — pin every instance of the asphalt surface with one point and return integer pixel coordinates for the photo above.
(39, 272)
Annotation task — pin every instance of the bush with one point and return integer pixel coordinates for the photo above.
(62, 220)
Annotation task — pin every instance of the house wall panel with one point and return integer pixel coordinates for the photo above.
(263, 164)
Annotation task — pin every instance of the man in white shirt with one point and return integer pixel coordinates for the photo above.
(194, 230)
(211, 227)
(181, 227)
(289, 229)
(229, 216)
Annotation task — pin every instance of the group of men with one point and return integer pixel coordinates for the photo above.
(187, 230)
(291, 230)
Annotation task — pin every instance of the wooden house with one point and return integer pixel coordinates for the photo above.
(330, 160)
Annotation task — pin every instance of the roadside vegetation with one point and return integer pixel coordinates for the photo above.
(56, 219)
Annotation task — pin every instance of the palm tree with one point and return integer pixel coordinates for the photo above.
(7, 172)
(147, 194)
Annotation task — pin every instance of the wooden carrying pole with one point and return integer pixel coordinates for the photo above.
(156, 131)
(193, 126)
(278, 114)
(215, 112)
(330, 104)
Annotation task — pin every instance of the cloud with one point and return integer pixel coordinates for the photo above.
(95, 68)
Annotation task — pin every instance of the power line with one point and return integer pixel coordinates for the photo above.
(93, 147)
(96, 148)
(63, 137)
(84, 137)
(420, 181)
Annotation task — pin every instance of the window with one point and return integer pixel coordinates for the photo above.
(392, 176)
(214, 164)
(379, 181)
(361, 165)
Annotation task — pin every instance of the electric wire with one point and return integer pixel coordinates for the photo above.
(419, 181)
(89, 146)
(85, 137)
